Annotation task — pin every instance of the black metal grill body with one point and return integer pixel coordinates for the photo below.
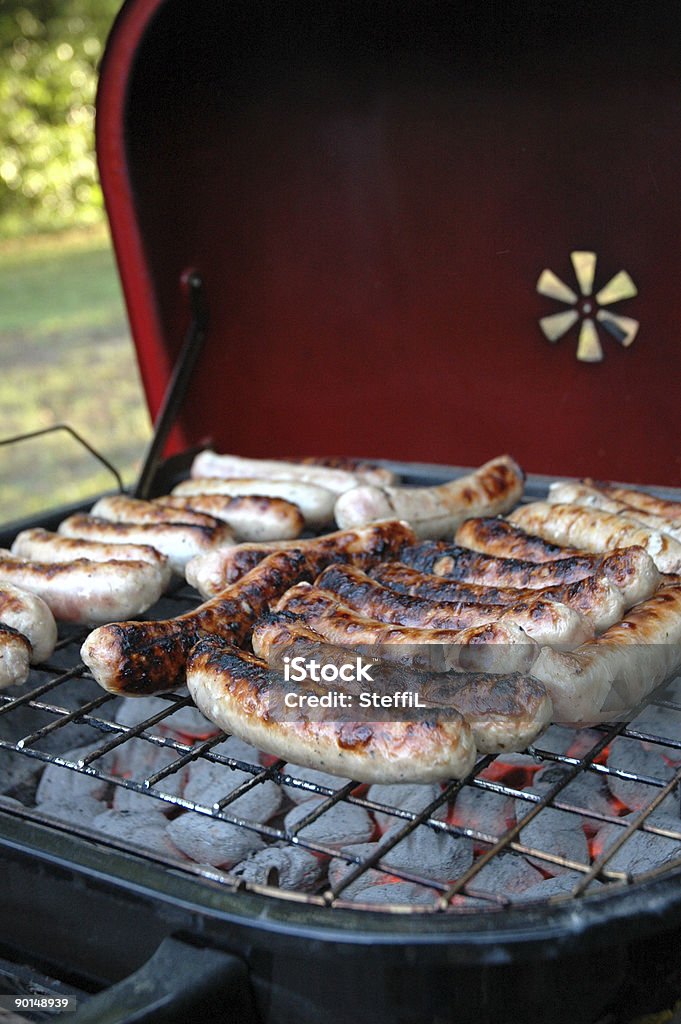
(98, 908)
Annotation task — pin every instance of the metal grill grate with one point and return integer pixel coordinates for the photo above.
(61, 707)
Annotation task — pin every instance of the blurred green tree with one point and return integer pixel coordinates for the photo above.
(49, 52)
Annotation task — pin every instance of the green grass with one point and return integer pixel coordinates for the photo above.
(59, 283)
(66, 357)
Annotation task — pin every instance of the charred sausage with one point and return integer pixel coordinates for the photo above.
(141, 658)
(120, 508)
(44, 546)
(597, 531)
(591, 497)
(436, 511)
(505, 712)
(252, 518)
(669, 510)
(546, 621)
(493, 647)
(208, 463)
(607, 677)
(15, 653)
(316, 503)
(364, 547)
(595, 597)
(83, 591)
(31, 616)
(238, 692)
(176, 541)
(498, 537)
(631, 569)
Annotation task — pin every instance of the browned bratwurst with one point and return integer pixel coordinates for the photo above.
(631, 569)
(140, 658)
(498, 537)
(546, 621)
(253, 517)
(241, 695)
(665, 508)
(436, 511)
(505, 712)
(363, 547)
(492, 647)
(595, 597)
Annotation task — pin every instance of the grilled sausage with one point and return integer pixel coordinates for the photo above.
(316, 503)
(29, 615)
(251, 517)
(237, 691)
(44, 546)
(595, 597)
(493, 647)
(368, 472)
(591, 497)
(120, 508)
(607, 677)
(141, 658)
(15, 653)
(597, 531)
(176, 541)
(208, 463)
(211, 573)
(670, 510)
(632, 570)
(546, 621)
(436, 511)
(83, 591)
(505, 712)
(498, 537)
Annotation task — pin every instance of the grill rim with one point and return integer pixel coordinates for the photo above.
(544, 931)
(480, 936)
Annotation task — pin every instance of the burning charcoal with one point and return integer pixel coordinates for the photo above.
(338, 826)
(298, 794)
(641, 759)
(556, 832)
(132, 711)
(210, 782)
(642, 851)
(513, 770)
(144, 831)
(289, 867)
(339, 868)
(662, 722)
(407, 797)
(137, 760)
(18, 772)
(505, 875)
(560, 739)
(393, 893)
(211, 841)
(188, 721)
(82, 813)
(552, 887)
(64, 785)
(430, 854)
(130, 800)
(483, 810)
(587, 789)
(238, 749)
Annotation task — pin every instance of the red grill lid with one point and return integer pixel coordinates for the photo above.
(371, 193)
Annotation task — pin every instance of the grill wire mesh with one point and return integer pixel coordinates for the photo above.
(62, 707)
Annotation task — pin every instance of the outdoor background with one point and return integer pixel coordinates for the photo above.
(65, 350)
